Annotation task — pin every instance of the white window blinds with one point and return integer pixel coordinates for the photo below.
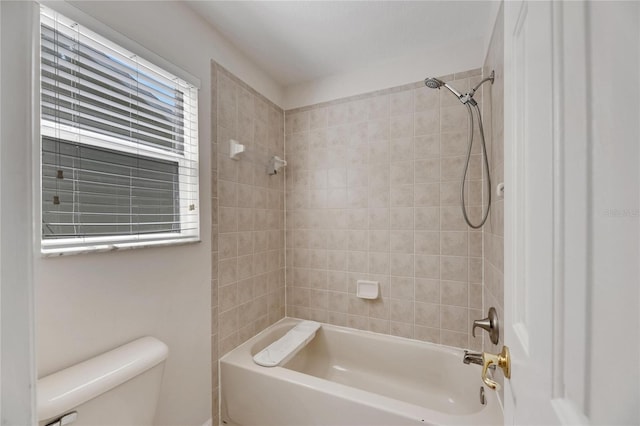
(119, 145)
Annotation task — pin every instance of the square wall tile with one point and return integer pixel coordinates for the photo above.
(372, 191)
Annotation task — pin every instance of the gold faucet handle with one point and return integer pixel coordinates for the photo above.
(502, 360)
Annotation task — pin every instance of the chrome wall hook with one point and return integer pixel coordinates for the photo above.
(275, 164)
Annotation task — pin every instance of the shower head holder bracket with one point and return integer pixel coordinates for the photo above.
(275, 164)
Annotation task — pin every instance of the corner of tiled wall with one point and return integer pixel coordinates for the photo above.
(248, 216)
(215, 415)
(493, 231)
(493, 109)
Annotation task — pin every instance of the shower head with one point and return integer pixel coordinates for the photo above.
(434, 83)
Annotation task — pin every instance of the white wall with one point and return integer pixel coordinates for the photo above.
(177, 33)
(16, 332)
(615, 108)
(87, 304)
(494, 10)
(389, 73)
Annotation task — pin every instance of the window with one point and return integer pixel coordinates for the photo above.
(119, 145)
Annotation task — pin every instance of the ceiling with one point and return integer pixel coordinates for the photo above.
(298, 41)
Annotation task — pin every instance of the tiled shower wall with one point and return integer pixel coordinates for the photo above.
(247, 215)
(493, 108)
(372, 192)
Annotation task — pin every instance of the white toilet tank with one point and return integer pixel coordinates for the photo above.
(119, 387)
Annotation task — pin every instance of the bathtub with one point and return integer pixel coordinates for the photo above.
(350, 377)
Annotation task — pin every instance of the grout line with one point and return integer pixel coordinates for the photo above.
(284, 195)
(440, 220)
(413, 230)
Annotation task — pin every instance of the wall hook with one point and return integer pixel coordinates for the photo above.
(275, 164)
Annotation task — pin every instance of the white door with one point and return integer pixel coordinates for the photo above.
(529, 173)
(571, 362)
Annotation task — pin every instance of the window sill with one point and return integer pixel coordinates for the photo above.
(106, 247)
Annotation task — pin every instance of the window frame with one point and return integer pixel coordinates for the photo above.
(189, 210)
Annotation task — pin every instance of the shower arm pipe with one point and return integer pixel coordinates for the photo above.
(452, 90)
(490, 78)
(470, 103)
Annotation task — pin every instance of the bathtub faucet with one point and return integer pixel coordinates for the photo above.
(472, 358)
(475, 358)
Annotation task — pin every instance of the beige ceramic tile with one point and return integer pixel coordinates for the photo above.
(427, 146)
(427, 122)
(454, 243)
(427, 242)
(454, 293)
(427, 290)
(373, 190)
(427, 170)
(427, 314)
(426, 98)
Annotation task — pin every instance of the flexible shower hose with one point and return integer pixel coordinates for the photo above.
(485, 215)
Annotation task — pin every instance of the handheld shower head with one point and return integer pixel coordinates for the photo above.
(434, 83)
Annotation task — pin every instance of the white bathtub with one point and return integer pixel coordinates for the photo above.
(350, 377)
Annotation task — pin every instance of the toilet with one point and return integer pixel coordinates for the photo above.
(119, 387)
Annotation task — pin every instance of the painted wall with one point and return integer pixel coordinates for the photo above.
(248, 230)
(177, 33)
(614, 109)
(388, 73)
(87, 304)
(17, 378)
(373, 193)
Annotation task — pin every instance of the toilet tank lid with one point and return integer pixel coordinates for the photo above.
(68, 388)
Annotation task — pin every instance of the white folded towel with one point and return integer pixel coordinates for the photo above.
(283, 349)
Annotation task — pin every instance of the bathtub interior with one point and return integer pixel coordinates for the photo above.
(350, 377)
(435, 379)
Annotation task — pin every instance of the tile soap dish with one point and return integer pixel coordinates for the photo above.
(368, 289)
